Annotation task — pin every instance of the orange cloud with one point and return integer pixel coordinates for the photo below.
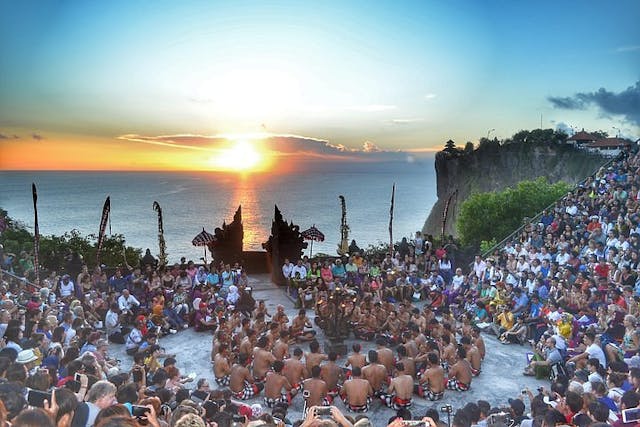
(281, 153)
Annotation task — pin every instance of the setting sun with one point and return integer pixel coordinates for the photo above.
(241, 156)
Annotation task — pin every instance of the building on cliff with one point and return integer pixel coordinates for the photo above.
(610, 147)
(581, 138)
(494, 167)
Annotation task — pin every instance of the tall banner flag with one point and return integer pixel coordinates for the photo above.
(36, 234)
(161, 242)
(393, 194)
(103, 226)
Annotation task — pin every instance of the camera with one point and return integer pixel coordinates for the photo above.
(237, 421)
(500, 417)
(306, 394)
(446, 408)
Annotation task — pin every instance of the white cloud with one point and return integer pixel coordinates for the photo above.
(406, 121)
(430, 96)
(370, 147)
(631, 48)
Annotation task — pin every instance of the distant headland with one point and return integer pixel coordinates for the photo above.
(493, 165)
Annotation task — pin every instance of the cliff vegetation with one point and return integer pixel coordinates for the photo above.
(495, 165)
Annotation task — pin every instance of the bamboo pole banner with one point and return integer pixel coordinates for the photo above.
(393, 194)
(36, 234)
(103, 226)
(161, 243)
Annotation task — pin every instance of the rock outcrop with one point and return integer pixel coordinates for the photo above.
(494, 167)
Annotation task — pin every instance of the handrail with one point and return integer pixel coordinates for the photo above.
(539, 214)
(21, 279)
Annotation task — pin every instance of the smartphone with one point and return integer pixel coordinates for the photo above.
(36, 398)
(323, 410)
(138, 410)
(76, 377)
(630, 415)
(414, 423)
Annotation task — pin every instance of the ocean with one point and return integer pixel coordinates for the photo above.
(193, 200)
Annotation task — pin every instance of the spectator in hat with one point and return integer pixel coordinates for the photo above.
(28, 359)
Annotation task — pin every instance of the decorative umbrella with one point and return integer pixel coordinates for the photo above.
(314, 235)
(203, 239)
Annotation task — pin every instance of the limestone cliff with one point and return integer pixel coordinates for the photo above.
(495, 167)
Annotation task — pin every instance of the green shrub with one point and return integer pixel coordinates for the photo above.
(494, 215)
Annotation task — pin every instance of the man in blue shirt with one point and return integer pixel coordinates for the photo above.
(117, 282)
(521, 301)
(338, 270)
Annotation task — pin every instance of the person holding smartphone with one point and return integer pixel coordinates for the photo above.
(317, 413)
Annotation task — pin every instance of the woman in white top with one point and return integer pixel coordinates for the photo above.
(445, 267)
(66, 287)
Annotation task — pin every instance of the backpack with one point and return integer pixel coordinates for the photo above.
(558, 370)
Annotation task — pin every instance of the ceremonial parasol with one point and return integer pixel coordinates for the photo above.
(203, 239)
(314, 235)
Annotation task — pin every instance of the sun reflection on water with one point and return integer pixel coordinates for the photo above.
(256, 228)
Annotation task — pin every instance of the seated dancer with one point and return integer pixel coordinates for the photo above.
(391, 328)
(356, 392)
(294, 369)
(448, 352)
(366, 327)
(375, 373)
(241, 383)
(315, 357)
(460, 373)
(221, 366)
(432, 383)
(400, 391)
(332, 374)
(262, 360)
(280, 348)
(314, 389)
(248, 343)
(473, 355)
(385, 355)
(300, 322)
(408, 362)
(277, 389)
(355, 360)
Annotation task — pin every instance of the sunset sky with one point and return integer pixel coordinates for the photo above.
(210, 84)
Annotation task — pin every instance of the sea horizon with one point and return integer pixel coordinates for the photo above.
(192, 200)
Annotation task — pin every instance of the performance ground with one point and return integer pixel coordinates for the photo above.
(501, 376)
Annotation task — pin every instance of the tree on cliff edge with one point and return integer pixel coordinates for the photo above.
(494, 215)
